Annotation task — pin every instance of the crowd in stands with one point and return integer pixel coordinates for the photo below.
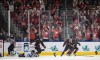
(44, 17)
(86, 17)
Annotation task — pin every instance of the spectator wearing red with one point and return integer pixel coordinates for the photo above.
(87, 35)
(56, 34)
(32, 36)
(45, 34)
(95, 34)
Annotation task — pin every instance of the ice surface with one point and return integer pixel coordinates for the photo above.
(53, 58)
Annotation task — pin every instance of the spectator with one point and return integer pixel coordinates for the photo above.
(25, 38)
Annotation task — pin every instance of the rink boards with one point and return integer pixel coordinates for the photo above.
(86, 48)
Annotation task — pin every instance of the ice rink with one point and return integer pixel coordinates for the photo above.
(92, 57)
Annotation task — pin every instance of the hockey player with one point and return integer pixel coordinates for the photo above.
(75, 42)
(67, 45)
(11, 47)
(73, 46)
(38, 49)
(37, 45)
(31, 54)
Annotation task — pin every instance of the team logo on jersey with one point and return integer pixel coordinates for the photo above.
(54, 48)
(97, 48)
(85, 48)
